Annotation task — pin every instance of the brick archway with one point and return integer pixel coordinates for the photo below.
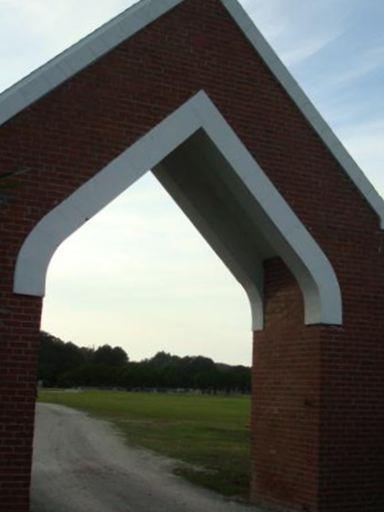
(191, 90)
(215, 180)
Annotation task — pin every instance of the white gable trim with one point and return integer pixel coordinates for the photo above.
(134, 19)
(76, 58)
(284, 231)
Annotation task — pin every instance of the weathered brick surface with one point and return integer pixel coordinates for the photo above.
(318, 416)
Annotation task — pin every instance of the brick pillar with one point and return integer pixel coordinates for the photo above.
(19, 328)
(318, 406)
(286, 385)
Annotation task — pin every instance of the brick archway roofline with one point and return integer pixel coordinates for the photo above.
(136, 18)
(277, 230)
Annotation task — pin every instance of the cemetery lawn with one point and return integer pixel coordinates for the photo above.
(209, 435)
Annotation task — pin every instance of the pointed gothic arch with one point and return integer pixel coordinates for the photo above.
(198, 131)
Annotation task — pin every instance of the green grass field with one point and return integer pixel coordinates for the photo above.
(211, 434)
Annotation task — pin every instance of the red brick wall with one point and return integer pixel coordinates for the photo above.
(72, 133)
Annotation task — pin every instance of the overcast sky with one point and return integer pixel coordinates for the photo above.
(138, 274)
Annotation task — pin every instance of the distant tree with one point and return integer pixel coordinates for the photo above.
(92, 375)
(56, 357)
(107, 355)
(88, 354)
(163, 360)
(140, 375)
(198, 364)
(65, 364)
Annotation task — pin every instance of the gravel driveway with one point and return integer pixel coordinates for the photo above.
(81, 465)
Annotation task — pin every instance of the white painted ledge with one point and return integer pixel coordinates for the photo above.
(280, 226)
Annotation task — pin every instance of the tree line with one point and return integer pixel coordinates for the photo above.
(66, 365)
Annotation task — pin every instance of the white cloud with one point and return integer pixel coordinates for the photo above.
(369, 61)
(294, 28)
(301, 50)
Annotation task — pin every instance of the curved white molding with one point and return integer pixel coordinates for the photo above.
(103, 40)
(275, 219)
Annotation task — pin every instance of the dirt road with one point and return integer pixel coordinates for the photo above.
(81, 465)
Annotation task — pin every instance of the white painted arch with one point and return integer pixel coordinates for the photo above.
(245, 219)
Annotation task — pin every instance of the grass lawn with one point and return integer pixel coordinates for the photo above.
(210, 433)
